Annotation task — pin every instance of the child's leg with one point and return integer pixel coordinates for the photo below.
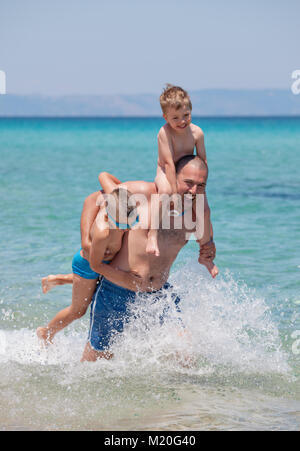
(82, 293)
(53, 280)
(163, 187)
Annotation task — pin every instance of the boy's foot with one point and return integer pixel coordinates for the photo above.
(152, 247)
(44, 334)
(48, 283)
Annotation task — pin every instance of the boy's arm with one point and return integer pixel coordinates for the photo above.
(200, 146)
(108, 182)
(89, 212)
(166, 158)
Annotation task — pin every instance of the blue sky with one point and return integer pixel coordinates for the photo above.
(134, 46)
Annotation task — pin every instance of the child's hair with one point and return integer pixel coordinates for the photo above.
(175, 97)
(118, 203)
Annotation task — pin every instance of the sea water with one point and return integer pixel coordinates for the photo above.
(243, 328)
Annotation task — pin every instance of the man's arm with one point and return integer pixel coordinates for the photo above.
(207, 246)
(98, 247)
(207, 232)
(200, 146)
(118, 277)
(207, 251)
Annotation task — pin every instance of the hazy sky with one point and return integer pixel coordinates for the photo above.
(136, 46)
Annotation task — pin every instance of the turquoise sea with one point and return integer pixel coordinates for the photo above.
(245, 326)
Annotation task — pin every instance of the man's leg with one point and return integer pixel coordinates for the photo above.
(91, 355)
(108, 315)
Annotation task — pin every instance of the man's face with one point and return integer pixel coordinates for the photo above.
(178, 119)
(191, 181)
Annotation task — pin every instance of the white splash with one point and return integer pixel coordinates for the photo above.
(225, 326)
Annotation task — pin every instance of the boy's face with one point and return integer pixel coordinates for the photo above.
(178, 119)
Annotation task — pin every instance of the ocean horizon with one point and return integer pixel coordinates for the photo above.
(206, 102)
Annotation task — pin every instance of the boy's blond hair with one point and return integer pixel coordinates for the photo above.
(174, 97)
(118, 202)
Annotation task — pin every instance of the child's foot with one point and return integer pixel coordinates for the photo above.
(48, 283)
(152, 246)
(44, 334)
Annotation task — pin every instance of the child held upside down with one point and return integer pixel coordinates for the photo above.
(100, 247)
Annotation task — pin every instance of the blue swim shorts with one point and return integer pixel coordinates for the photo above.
(81, 267)
(110, 311)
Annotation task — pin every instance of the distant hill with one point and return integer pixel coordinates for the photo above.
(218, 102)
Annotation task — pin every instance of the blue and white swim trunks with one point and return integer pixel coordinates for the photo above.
(110, 310)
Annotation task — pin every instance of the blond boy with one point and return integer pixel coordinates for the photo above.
(176, 139)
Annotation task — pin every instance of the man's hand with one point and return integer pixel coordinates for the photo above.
(206, 256)
(208, 251)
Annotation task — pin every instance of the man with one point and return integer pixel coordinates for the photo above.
(110, 304)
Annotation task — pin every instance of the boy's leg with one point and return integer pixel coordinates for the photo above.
(82, 293)
(53, 280)
(163, 187)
